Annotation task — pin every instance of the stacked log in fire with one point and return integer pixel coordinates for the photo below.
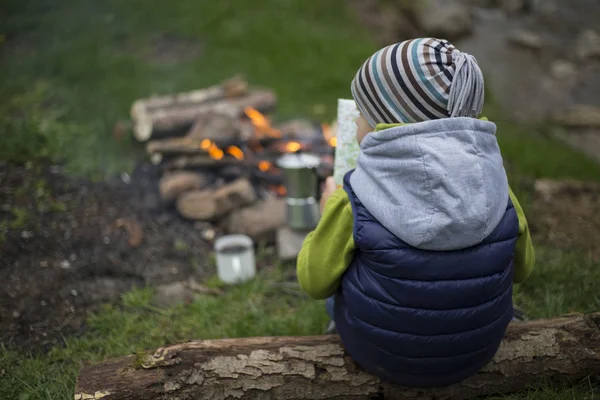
(217, 151)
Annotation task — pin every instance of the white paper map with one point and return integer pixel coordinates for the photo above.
(347, 149)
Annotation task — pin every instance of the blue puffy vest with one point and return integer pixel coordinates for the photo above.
(424, 318)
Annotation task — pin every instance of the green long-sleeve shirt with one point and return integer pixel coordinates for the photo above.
(328, 250)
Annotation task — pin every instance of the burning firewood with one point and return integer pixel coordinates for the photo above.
(298, 129)
(220, 127)
(194, 162)
(159, 120)
(208, 130)
(259, 219)
(224, 132)
(210, 204)
(172, 185)
(183, 145)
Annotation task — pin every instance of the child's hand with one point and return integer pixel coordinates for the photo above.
(328, 190)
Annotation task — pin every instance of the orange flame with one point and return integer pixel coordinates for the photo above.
(212, 149)
(205, 144)
(215, 152)
(328, 134)
(293, 147)
(264, 166)
(261, 123)
(236, 152)
(281, 190)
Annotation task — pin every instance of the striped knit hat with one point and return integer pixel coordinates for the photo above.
(418, 80)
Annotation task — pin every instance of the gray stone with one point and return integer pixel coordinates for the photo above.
(289, 243)
(544, 7)
(483, 3)
(563, 71)
(579, 116)
(126, 178)
(528, 40)
(172, 294)
(259, 220)
(585, 140)
(588, 45)
(514, 6)
(547, 189)
(446, 19)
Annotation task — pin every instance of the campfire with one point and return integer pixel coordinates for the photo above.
(217, 149)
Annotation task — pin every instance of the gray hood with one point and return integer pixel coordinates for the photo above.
(437, 185)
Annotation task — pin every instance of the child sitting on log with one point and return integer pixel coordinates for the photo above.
(422, 245)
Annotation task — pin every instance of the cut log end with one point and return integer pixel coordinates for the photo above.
(236, 86)
(209, 205)
(156, 158)
(142, 129)
(173, 185)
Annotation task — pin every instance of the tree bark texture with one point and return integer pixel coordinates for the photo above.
(283, 368)
(233, 87)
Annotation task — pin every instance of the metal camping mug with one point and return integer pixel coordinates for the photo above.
(235, 259)
(302, 184)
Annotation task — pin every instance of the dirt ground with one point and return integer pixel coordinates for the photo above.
(566, 215)
(68, 246)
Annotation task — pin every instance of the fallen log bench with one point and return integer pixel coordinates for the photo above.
(556, 350)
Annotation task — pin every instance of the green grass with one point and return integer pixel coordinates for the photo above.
(266, 306)
(588, 389)
(530, 153)
(72, 69)
(562, 283)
